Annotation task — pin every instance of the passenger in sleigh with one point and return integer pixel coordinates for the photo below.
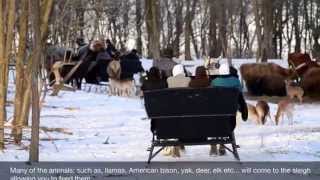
(228, 77)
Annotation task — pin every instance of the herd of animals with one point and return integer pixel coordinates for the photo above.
(302, 78)
(103, 63)
(100, 61)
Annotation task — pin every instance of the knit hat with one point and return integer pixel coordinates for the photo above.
(97, 45)
(224, 69)
(178, 69)
(154, 73)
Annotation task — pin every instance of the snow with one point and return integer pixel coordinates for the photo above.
(106, 128)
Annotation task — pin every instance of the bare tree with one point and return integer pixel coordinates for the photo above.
(20, 73)
(7, 21)
(152, 22)
(40, 18)
(139, 22)
(187, 31)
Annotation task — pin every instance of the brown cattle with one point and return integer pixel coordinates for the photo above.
(311, 82)
(265, 79)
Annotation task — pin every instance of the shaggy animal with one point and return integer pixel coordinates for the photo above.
(294, 91)
(265, 78)
(114, 69)
(121, 87)
(117, 86)
(259, 113)
(285, 109)
(311, 82)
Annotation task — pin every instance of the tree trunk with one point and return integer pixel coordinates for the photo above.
(35, 61)
(152, 21)
(223, 23)
(187, 32)
(296, 25)
(267, 12)
(80, 12)
(40, 19)
(178, 26)
(214, 44)
(2, 76)
(20, 72)
(257, 18)
(138, 26)
(6, 39)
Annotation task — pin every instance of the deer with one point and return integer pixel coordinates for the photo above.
(285, 108)
(259, 112)
(294, 91)
(119, 87)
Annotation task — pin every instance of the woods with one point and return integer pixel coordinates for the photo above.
(27, 60)
(258, 28)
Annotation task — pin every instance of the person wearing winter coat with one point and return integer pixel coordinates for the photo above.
(111, 49)
(228, 78)
(201, 79)
(225, 79)
(179, 78)
(130, 65)
(154, 80)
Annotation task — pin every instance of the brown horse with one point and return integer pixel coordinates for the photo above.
(300, 63)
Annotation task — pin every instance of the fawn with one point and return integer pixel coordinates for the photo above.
(294, 91)
(285, 108)
(259, 112)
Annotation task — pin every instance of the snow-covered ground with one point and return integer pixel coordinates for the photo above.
(108, 128)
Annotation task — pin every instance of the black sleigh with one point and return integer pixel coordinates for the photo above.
(188, 116)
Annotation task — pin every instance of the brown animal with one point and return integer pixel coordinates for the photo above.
(285, 108)
(296, 59)
(114, 69)
(294, 91)
(56, 71)
(311, 82)
(117, 86)
(301, 63)
(259, 113)
(252, 113)
(265, 78)
(121, 87)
